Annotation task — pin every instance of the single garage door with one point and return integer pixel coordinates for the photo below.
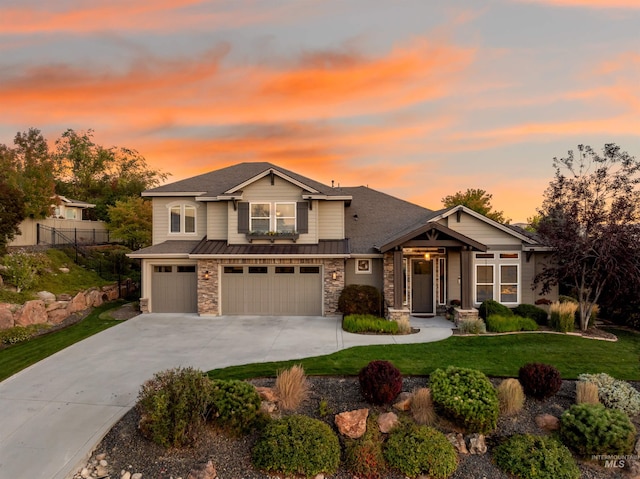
(174, 289)
(290, 290)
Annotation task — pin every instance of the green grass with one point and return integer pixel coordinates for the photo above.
(500, 356)
(368, 323)
(20, 356)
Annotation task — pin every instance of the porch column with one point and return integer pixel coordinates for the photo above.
(466, 275)
(398, 279)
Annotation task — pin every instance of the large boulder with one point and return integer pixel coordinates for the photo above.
(95, 297)
(57, 316)
(6, 315)
(46, 296)
(32, 312)
(352, 424)
(387, 421)
(78, 303)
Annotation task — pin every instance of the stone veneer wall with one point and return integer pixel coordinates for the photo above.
(208, 297)
(387, 281)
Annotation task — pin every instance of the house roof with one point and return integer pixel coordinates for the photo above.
(433, 227)
(75, 203)
(331, 248)
(169, 249)
(230, 180)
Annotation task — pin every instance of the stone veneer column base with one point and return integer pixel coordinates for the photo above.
(144, 305)
(460, 314)
(398, 314)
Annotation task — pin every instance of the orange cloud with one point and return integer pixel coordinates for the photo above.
(604, 4)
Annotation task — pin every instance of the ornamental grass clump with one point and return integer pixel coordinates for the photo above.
(534, 457)
(421, 450)
(614, 393)
(540, 380)
(292, 388)
(472, 326)
(422, 408)
(586, 393)
(593, 429)
(297, 445)
(173, 406)
(563, 316)
(511, 396)
(380, 382)
(235, 405)
(465, 397)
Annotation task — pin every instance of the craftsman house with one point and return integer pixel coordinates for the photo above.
(258, 239)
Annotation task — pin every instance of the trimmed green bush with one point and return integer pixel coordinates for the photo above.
(540, 380)
(360, 299)
(531, 311)
(235, 405)
(368, 323)
(363, 457)
(490, 307)
(380, 382)
(535, 457)
(614, 393)
(173, 406)
(466, 397)
(503, 324)
(593, 429)
(297, 445)
(421, 450)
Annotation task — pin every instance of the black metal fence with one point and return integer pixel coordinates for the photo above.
(46, 235)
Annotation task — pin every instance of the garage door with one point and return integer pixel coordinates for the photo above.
(174, 289)
(291, 290)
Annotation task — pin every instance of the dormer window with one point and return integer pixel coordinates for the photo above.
(182, 219)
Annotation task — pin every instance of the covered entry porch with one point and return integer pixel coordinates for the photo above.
(426, 268)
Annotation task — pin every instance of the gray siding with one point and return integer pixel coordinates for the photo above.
(373, 279)
(331, 220)
(530, 269)
(161, 219)
(481, 231)
(217, 218)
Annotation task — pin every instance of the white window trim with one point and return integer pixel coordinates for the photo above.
(363, 261)
(497, 262)
(273, 219)
(183, 205)
(476, 283)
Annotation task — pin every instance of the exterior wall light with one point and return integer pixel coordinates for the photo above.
(334, 275)
(206, 275)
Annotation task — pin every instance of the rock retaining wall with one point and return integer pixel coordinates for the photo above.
(52, 309)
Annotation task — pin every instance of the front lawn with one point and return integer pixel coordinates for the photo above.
(493, 355)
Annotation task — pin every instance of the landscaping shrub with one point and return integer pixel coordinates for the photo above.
(404, 325)
(535, 457)
(503, 324)
(540, 380)
(472, 326)
(466, 397)
(297, 445)
(367, 323)
(614, 393)
(421, 450)
(292, 388)
(586, 393)
(510, 396)
(363, 457)
(173, 406)
(490, 307)
(531, 311)
(22, 269)
(563, 316)
(422, 408)
(360, 299)
(593, 429)
(235, 405)
(380, 382)
(18, 334)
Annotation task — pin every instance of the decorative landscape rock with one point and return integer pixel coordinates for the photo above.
(267, 394)
(403, 402)
(46, 296)
(457, 439)
(6, 315)
(477, 444)
(548, 422)
(387, 421)
(203, 471)
(32, 312)
(352, 424)
(78, 303)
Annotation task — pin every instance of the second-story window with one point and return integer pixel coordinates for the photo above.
(285, 217)
(260, 217)
(182, 219)
(273, 217)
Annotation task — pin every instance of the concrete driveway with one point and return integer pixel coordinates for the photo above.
(54, 413)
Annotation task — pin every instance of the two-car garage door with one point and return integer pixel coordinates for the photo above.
(287, 290)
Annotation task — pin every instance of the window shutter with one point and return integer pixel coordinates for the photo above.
(243, 217)
(302, 217)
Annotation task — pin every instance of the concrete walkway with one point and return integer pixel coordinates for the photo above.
(54, 413)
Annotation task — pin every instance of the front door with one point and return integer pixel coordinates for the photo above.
(422, 286)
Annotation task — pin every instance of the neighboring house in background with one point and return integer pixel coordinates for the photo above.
(257, 239)
(65, 226)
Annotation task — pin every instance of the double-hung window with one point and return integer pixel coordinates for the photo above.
(497, 276)
(182, 219)
(272, 217)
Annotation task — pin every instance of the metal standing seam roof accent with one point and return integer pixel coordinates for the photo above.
(322, 248)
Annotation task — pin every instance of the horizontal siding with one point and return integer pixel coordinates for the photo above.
(373, 279)
(331, 220)
(161, 219)
(217, 216)
(480, 231)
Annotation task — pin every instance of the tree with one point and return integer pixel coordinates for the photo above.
(589, 218)
(11, 213)
(89, 172)
(130, 221)
(478, 200)
(29, 169)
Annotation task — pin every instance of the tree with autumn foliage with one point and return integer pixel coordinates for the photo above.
(130, 221)
(590, 220)
(477, 200)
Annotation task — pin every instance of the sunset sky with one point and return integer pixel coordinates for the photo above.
(416, 98)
